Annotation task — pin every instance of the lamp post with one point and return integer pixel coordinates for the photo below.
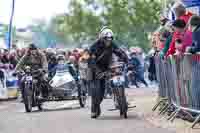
(10, 25)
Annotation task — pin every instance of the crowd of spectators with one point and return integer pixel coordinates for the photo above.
(178, 36)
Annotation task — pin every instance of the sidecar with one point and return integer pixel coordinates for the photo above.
(65, 87)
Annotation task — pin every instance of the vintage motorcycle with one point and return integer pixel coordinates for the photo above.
(116, 82)
(61, 87)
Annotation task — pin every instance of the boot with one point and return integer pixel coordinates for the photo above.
(93, 115)
(98, 110)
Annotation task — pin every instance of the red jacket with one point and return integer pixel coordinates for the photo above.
(186, 38)
(172, 48)
(186, 17)
(186, 41)
(178, 35)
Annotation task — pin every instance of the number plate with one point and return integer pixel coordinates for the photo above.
(29, 78)
(118, 79)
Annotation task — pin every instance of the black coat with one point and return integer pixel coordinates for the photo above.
(103, 54)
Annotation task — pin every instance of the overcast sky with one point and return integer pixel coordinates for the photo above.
(27, 10)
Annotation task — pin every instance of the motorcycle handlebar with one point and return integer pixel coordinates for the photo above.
(18, 73)
(39, 70)
(22, 72)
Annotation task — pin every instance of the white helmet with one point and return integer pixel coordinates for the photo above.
(106, 33)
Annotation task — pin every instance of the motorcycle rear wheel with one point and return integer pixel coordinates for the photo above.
(40, 107)
(81, 97)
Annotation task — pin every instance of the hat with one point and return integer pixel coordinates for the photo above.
(178, 5)
(179, 23)
(195, 20)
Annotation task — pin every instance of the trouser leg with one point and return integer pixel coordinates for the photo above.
(98, 91)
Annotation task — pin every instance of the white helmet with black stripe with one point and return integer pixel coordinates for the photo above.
(106, 33)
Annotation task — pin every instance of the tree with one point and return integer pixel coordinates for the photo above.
(130, 20)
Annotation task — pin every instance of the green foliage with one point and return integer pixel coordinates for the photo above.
(4, 29)
(131, 20)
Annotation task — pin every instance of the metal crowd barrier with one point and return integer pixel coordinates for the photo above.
(8, 85)
(179, 85)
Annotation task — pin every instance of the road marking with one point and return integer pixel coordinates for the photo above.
(57, 105)
(53, 105)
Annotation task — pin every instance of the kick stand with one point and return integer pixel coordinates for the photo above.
(130, 107)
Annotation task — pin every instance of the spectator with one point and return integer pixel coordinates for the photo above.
(179, 27)
(181, 13)
(195, 26)
(186, 41)
(84, 71)
(67, 55)
(5, 58)
(13, 59)
(136, 66)
(19, 54)
(168, 40)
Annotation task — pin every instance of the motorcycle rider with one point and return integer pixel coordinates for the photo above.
(36, 60)
(101, 55)
(136, 68)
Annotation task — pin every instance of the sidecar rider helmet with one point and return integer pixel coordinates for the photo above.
(106, 34)
(60, 57)
(32, 46)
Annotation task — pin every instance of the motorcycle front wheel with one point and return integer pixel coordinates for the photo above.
(28, 97)
(122, 102)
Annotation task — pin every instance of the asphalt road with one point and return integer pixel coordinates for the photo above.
(67, 117)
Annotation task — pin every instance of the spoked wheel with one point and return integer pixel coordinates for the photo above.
(40, 107)
(121, 98)
(124, 108)
(28, 98)
(28, 104)
(37, 100)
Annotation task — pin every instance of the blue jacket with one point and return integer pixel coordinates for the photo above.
(136, 64)
(195, 41)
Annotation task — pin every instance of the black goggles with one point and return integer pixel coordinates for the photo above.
(108, 38)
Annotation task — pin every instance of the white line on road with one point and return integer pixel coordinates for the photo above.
(54, 105)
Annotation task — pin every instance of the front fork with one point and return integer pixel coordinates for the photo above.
(116, 96)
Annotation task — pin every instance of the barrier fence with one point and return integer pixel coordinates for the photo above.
(179, 85)
(8, 85)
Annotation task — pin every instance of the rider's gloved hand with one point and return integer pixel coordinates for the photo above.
(14, 74)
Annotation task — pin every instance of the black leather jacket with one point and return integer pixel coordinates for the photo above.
(102, 55)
